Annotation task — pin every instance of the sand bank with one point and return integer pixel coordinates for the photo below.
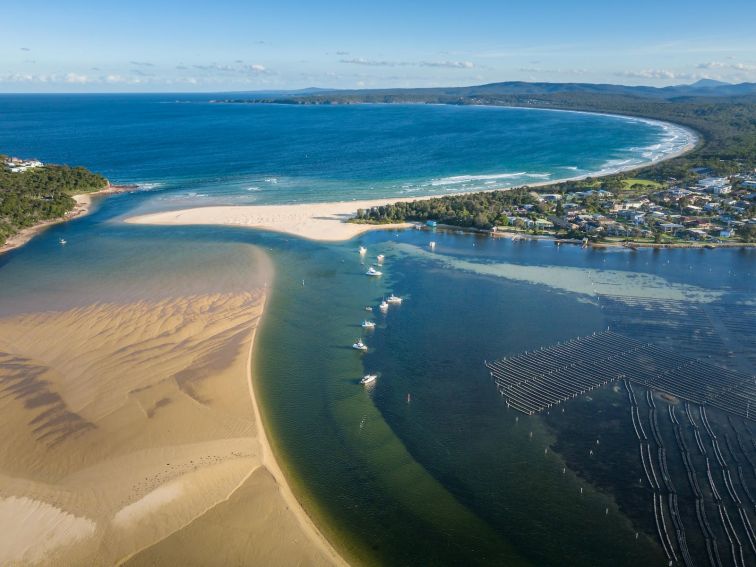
(316, 221)
(131, 433)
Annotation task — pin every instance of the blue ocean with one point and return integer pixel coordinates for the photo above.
(192, 151)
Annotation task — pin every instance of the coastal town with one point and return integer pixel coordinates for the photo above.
(712, 210)
(616, 210)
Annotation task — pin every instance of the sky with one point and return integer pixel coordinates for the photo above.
(235, 45)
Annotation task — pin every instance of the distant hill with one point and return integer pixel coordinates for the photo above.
(702, 88)
(709, 83)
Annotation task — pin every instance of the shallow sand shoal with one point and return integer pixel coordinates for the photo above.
(126, 424)
(316, 221)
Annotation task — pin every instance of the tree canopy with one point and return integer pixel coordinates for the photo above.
(41, 194)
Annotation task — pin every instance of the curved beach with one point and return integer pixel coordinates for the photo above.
(328, 221)
(315, 221)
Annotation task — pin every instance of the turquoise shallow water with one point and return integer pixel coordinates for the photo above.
(453, 477)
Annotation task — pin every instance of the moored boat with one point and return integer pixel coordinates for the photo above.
(359, 345)
(368, 324)
(394, 299)
(373, 272)
(368, 379)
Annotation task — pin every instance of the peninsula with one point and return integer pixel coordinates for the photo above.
(34, 195)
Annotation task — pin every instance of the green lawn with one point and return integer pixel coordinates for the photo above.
(645, 183)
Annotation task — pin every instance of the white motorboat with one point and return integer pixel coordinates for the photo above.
(368, 324)
(359, 345)
(383, 306)
(368, 308)
(373, 272)
(432, 244)
(380, 258)
(368, 379)
(394, 299)
(62, 241)
(363, 250)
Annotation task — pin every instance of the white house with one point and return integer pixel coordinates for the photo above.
(17, 165)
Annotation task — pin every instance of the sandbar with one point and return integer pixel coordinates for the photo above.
(132, 435)
(314, 221)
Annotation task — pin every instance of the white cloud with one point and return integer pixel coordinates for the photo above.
(726, 66)
(76, 78)
(25, 78)
(255, 68)
(373, 62)
(120, 79)
(657, 74)
(448, 64)
(385, 63)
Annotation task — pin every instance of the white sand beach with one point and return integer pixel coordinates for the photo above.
(315, 221)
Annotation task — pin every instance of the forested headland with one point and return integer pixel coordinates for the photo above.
(41, 194)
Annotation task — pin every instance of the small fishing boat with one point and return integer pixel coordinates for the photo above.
(368, 379)
(380, 258)
(383, 306)
(363, 250)
(432, 244)
(373, 272)
(359, 345)
(368, 308)
(368, 324)
(62, 241)
(394, 299)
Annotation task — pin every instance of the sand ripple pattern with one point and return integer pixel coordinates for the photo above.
(125, 424)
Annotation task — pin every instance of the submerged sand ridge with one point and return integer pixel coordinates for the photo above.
(126, 424)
